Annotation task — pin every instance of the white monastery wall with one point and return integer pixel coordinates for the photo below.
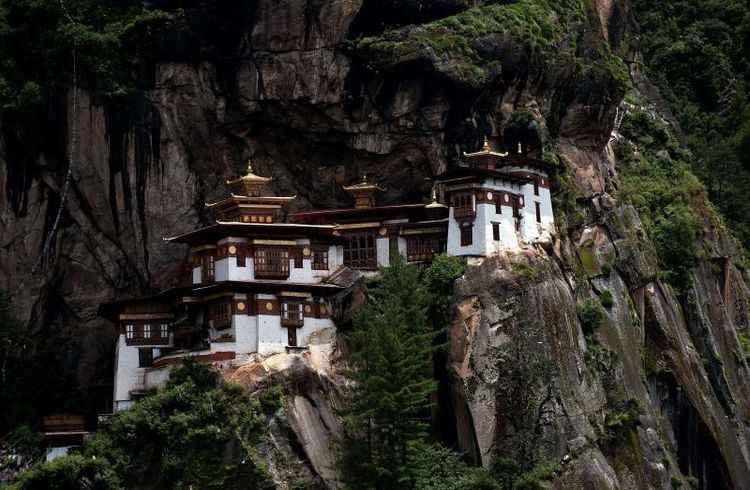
(382, 248)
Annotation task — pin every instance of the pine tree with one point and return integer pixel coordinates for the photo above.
(392, 345)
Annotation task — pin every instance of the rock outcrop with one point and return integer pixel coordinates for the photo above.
(292, 87)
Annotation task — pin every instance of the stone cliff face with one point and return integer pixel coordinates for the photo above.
(289, 87)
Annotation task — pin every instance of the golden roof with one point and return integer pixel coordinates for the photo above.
(250, 177)
(435, 203)
(486, 150)
(363, 186)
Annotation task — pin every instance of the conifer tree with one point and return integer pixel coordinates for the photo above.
(392, 369)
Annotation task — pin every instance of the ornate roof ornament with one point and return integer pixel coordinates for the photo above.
(435, 203)
(363, 186)
(486, 150)
(249, 176)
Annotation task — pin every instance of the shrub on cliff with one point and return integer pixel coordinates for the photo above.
(195, 432)
(591, 316)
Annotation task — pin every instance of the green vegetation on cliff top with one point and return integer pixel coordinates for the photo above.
(468, 43)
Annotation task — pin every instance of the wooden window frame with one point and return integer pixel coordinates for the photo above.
(538, 209)
(220, 314)
(467, 234)
(136, 333)
(143, 360)
(296, 255)
(271, 262)
(292, 313)
(536, 187)
(496, 232)
(498, 206)
(208, 268)
(320, 259)
(360, 251)
(422, 248)
(241, 256)
(164, 330)
(463, 204)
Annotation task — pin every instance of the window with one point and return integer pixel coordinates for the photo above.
(272, 262)
(359, 251)
(296, 255)
(145, 357)
(423, 249)
(498, 206)
(538, 212)
(536, 187)
(496, 231)
(138, 333)
(241, 256)
(292, 314)
(219, 315)
(467, 234)
(320, 259)
(463, 204)
(209, 268)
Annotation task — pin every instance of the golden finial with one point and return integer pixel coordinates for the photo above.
(434, 194)
(486, 146)
(249, 166)
(519, 148)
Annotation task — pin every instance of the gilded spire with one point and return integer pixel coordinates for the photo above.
(520, 148)
(486, 146)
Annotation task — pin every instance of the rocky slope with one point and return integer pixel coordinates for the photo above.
(295, 87)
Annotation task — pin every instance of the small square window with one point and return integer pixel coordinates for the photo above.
(320, 260)
(467, 234)
(145, 357)
(164, 330)
(129, 331)
(147, 331)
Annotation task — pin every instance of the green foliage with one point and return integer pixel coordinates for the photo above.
(526, 271)
(37, 41)
(534, 479)
(545, 29)
(392, 346)
(591, 315)
(195, 432)
(697, 53)
(606, 299)
(509, 475)
(620, 422)
(744, 350)
(659, 182)
(27, 442)
(71, 472)
(439, 468)
(438, 280)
